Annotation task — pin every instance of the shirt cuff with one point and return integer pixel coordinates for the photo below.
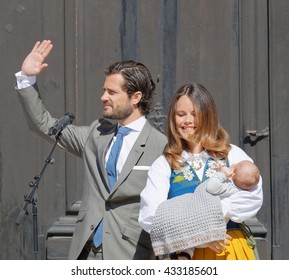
(24, 81)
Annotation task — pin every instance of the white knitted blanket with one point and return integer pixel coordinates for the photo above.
(187, 221)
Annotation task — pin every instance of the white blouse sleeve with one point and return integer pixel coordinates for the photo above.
(155, 191)
(243, 204)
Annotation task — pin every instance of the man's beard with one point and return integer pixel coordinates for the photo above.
(118, 114)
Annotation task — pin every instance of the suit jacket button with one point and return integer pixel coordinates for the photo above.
(92, 227)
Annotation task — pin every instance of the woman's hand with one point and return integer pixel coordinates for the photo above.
(218, 246)
(34, 62)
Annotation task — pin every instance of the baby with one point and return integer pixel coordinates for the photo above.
(243, 175)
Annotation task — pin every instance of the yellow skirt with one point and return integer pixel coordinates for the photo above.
(241, 247)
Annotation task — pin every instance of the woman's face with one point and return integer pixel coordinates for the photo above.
(185, 117)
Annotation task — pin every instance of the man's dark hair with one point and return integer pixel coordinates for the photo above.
(137, 78)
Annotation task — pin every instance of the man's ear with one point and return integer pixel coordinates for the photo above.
(136, 97)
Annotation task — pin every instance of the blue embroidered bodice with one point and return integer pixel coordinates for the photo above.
(186, 180)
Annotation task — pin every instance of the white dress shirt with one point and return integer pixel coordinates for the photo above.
(128, 142)
(24, 81)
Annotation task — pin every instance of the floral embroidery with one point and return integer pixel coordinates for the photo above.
(210, 172)
(188, 174)
(213, 165)
(185, 173)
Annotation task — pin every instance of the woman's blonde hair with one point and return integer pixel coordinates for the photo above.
(209, 133)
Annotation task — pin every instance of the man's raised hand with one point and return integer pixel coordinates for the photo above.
(34, 63)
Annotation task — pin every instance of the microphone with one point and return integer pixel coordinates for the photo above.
(61, 124)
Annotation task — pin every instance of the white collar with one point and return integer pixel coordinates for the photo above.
(138, 124)
(188, 156)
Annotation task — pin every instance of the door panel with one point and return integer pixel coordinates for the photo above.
(279, 104)
(254, 104)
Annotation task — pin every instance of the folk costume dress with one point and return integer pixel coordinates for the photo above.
(185, 185)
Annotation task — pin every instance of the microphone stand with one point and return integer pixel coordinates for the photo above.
(32, 198)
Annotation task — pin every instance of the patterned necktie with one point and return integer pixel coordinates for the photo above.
(111, 172)
(114, 153)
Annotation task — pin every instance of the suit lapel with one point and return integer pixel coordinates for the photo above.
(102, 146)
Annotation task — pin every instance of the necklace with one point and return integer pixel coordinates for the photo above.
(197, 162)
